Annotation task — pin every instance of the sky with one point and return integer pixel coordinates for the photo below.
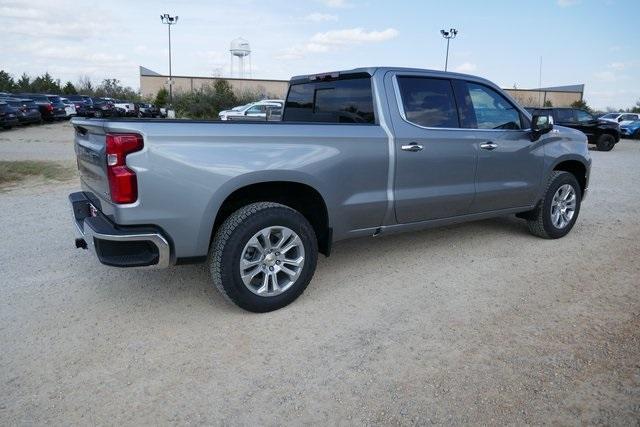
(594, 42)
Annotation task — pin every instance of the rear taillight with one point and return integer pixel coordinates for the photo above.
(123, 183)
(49, 107)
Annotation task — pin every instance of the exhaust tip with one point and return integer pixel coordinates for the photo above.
(81, 244)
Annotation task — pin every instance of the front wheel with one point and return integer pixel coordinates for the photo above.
(606, 142)
(263, 256)
(558, 211)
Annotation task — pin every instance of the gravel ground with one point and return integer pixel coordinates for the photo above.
(51, 141)
(479, 323)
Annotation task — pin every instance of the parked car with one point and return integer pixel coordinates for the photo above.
(148, 110)
(631, 129)
(359, 153)
(128, 108)
(83, 104)
(69, 107)
(620, 118)
(26, 110)
(8, 116)
(603, 133)
(50, 106)
(253, 111)
(103, 108)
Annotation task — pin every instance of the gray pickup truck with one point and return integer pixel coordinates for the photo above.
(358, 153)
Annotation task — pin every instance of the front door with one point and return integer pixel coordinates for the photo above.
(435, 159)
(509, 163)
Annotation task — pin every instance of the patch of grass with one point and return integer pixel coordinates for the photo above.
(11, 172)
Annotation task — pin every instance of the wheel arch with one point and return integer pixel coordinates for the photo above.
(296, 192)
(576, 167)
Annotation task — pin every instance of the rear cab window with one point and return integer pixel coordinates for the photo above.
(348, 99)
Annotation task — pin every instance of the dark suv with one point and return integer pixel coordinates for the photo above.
(8, 116)
(602, 133)
(83, 103)
(26, 110)
(50, 106)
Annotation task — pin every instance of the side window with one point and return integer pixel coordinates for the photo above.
(255, 109)
(564, 115)
(583, 116)
(492, 110)
(428, 102)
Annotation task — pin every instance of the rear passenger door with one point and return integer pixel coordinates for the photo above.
(509, 163)
(435, 159)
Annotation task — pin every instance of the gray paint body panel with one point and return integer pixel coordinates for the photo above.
(187, 169)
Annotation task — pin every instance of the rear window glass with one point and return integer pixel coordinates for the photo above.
(428, 102)
(338, 101)
(54, 98)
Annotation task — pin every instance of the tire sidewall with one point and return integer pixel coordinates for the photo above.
(606, 142)
(232, 252)
(559, 181)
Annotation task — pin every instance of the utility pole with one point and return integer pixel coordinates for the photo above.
(169, 21)
(451, 34)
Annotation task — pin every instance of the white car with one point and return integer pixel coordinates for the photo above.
(621, 118)
(254, 111)
(128, 107)
(69, 107)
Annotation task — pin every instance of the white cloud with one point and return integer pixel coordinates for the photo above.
(617, 65)
(567, 3)
(466, 67)
(337, 39)
(353, 36)
(320, 17)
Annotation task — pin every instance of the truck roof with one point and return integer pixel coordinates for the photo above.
(372, 70)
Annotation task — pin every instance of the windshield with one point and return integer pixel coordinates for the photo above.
(610, 116)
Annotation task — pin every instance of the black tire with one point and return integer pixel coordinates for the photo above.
(636, 134)
(230, 240)
(606, 142)
(539, 219)
(98, 114)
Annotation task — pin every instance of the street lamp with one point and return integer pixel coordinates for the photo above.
(451, 34)
(169, 20)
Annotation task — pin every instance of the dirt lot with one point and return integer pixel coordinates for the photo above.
(479, 323)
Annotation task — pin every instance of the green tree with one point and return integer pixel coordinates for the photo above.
(45, 83)
(24, 83)
(548, 103)
(582, 105)
(162, 97)
(636, 108)
(6, 81)
(69, 89)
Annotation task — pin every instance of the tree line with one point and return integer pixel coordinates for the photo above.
(111, 88)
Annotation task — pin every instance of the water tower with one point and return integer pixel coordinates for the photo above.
(240, 49)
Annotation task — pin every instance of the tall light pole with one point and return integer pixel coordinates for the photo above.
(169, 20)
(451, 34)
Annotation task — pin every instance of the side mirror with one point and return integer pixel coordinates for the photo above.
(540, 124)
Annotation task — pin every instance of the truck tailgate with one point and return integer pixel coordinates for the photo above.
(91, 157)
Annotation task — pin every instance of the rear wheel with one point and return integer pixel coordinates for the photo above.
(605, 142)
(557, 212)
(636, 134)
(263, 256)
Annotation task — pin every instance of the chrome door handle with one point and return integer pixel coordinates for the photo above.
(488, 145)
(414, 146)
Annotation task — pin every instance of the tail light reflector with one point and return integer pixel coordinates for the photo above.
(49, 107)
(123, 183)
